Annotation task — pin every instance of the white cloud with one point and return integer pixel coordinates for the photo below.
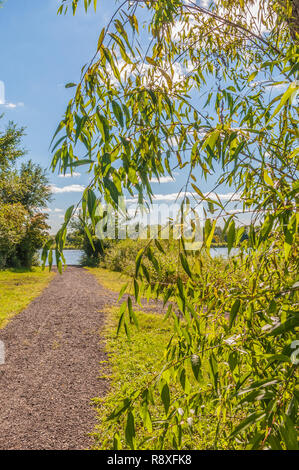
(163, 179)
(150, 75)
(70, 175)
(58, 210)
(169, 197)
(12, 105)
(72, 188)
(224, 197)
(174, 196)
(215, 196)
(252, 18)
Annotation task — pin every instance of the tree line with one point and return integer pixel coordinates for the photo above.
(24, 194)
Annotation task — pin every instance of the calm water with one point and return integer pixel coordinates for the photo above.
(222, 251)
(72, 257)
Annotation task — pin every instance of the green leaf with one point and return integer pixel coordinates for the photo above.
(287, 250)
(118, 113)
(151, 61)
(121, 317)
(120, 409)
(122, 291)
(68, 214)
(80, 163)
(91, 203)
(211, 139)
(185, 264)
(289, 325)
(86, 229)
(101, 38)
(231, 236)
(267, 179)
(196, 367)
(159, 246)
(131, 312)
(165, 396)
(138, 261)
(214, 370)
(103, 126)
(249, 421)
(117, 442)
(233, 312)
(291, 91)
(130, 430)
(198, 191)
(147, 421)
(289, 434)
(211, 235)
(233, 360)
(136, 290)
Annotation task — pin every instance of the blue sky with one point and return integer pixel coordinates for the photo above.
(41, 52)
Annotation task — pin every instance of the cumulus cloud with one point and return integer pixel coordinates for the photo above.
(72, 188)
(251, 18)
(175, 197)
(163, 179)
(47, 210)
(12, 105)
(70, 175)
(215, 196)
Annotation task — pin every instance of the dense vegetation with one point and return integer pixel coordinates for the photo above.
(130, 364)
(24, 192)
(221, 83)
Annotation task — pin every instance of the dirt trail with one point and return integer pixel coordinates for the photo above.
(53, 350)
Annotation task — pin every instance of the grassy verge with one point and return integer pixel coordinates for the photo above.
(131, 365)
(18, 288)
(112, 280)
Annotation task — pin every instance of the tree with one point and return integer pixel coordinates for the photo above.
(28, 186)
(23, 194)
(10, 149)
(12, 229)
(76, 233)
(201, 77)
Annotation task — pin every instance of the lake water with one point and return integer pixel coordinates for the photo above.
(222, 251)
(72, 257)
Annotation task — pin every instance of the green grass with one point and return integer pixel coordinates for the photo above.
(18, 288)
(130, 366)
(112, 280)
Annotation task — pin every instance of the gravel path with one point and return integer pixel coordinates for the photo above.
(53, 351)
